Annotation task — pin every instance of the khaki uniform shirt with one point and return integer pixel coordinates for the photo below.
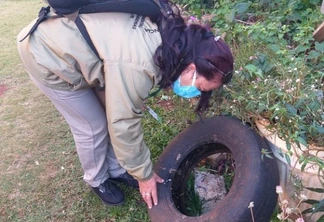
(57, 55)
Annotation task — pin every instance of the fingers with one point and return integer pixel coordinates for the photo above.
(146, 191)
(148, 199)
(159, 179)
(154, 197)
(149, 192)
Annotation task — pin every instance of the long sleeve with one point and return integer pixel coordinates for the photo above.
(127, 85)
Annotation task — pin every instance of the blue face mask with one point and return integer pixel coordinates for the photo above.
(186, 91)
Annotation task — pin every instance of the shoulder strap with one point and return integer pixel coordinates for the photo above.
(42, 16)
(147, 8)
(150, 8)
(85, 34)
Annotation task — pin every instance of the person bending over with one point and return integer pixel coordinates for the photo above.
(134, 58)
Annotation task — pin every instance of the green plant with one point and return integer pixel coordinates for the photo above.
(316, 205)
(286, 210)
(279, 71)
(193, 203)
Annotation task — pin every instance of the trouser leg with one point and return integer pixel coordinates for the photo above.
(87, 120)
(101, 96)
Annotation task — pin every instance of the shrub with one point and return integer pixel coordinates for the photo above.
(279, 67)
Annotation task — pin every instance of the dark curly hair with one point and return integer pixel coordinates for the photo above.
(182, 45)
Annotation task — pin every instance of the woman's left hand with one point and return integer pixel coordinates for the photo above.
(148, 190)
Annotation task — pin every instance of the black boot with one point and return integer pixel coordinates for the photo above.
(109, 193)
(126, 179)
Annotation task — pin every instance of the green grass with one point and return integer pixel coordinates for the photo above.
(41, 177)
(193, 204)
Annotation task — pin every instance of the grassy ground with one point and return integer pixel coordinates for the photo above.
(41, 177)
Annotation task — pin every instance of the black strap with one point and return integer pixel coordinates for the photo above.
(42, 16)
(85, 34)
(138, 6)
(141, 7)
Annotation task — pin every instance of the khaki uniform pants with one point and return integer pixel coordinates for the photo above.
(87, 119)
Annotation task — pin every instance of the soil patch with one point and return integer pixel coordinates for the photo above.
(3, 89)
(166, 104)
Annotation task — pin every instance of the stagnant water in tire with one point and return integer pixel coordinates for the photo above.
(215, 164)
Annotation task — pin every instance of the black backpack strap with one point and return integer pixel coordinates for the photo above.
(64, 8)
(85, 34)
(141, 7)
(42, 16)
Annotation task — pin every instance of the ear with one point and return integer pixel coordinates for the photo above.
(189, 70)
(191, 66)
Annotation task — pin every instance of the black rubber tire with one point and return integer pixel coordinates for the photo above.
(255, 179)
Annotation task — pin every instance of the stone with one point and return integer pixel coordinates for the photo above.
(210, 188)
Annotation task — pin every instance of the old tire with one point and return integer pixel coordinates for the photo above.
(255, 178)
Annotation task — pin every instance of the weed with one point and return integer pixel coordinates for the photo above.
(193, 203)
(287, 211)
